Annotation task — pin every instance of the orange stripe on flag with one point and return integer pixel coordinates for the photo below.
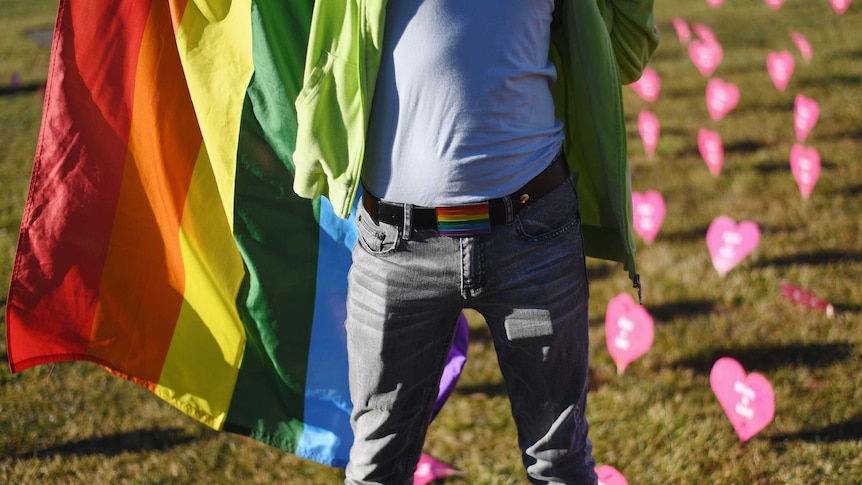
(137, 313)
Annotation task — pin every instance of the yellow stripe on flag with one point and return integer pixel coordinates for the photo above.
(216, 52)
(202, 364)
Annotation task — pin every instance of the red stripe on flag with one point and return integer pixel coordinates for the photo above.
(76, 180)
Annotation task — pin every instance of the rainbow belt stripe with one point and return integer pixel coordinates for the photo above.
(463, 220)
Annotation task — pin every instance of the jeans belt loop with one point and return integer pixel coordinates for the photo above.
(510, 214)
(408, 222)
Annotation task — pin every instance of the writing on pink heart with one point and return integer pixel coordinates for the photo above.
(721, 98)
(805, 49)
(648, 87)
(806, 111)
(780, 66)
(747, 400)
(729, 243)
(648, 210)
(805, 165)
(706, 55)
(609, 475)
(680, 26)
(711, 149)
(629, 330)
(840, 6)
(649, 128)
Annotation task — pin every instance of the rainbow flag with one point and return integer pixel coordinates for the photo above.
(161, 238)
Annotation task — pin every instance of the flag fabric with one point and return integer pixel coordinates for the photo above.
(161, 238)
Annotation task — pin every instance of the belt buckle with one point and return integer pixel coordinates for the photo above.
(464, 220)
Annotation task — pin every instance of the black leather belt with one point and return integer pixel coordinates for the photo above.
(427, 217)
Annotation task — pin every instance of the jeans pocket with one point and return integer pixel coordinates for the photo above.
(375, 238)
(554, 214)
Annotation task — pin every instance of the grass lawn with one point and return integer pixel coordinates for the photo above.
(658, 422)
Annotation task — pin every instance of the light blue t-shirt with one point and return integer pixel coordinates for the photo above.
(462, 108)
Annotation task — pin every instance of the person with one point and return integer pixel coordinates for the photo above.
(489, 141)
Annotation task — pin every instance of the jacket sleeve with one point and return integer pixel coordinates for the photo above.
(634, 38)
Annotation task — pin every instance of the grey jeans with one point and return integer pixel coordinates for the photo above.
(528, 279)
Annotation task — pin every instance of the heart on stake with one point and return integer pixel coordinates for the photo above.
(629, 330)
(681, 28)
(840, 6)
(780, 67)
(648, 127)
(748, 400)
(805, 165)
(729, 243)
(430, 469)
(711, 149)
(706, 55)
(648, 210)
(703, 32)
(648, 86)
(775, 4)
(806, 111)
(721, 98)
(715, 3)
(609, 475)
(802, 44)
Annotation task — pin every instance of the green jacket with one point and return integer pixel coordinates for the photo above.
(596, 47)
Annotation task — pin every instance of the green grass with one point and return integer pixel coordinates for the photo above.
(658, 422)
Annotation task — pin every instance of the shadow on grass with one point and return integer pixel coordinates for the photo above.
(822, 257)
(833, 80)
(680, 309)
(111, 445)
(743, 147)
(490, 390)
(480, 334)
(852, 191)
(847, 431)
(696, 234)
(783, 166)
(599, 272)
(771, 357)
(24, 88)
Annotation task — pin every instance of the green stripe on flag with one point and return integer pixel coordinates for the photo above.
(277, 233)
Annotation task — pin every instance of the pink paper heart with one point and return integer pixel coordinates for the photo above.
(748, 401)
(805, 165)
(609, 475)
(703, 32)
(711, 149)
(629, 330)
(648, 210)
(715, 3)
(721, 98)
(840, 6)
(648, 127)
(430, 469)
(706, 55)
(802, 44)
(729, 243)
(806, 111)
(780, 66)
(648, 86)
(681, 28)
(775, 4)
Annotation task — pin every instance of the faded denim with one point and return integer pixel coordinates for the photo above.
(528, 279)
